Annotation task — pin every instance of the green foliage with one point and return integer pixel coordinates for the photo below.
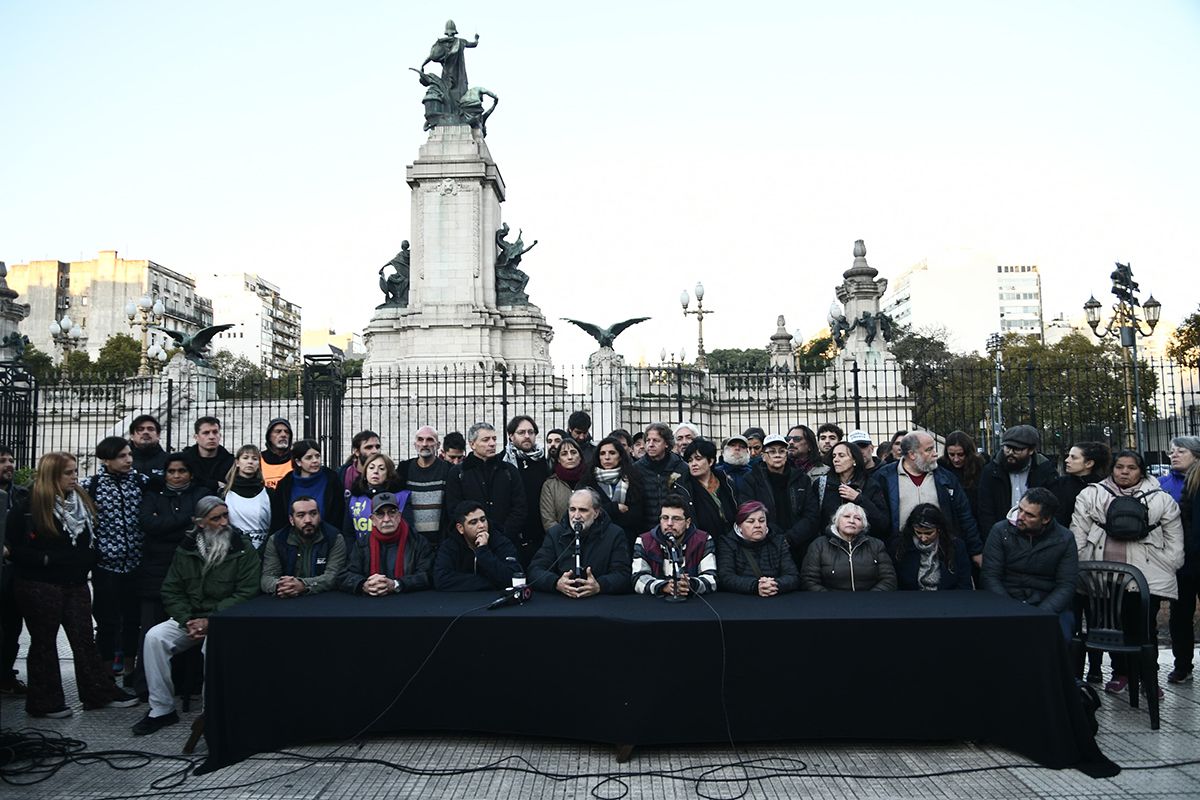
(120, 356)
(733, 360)
(239, 377)
(39, 364)
(353, 368)
(24, 476)
(1184, 346)
(77, 364)
(816, 354)
(1077, 387)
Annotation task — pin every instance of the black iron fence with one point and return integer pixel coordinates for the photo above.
(1067, 403)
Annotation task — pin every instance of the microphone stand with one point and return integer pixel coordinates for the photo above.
(578, 528)
(676, 563)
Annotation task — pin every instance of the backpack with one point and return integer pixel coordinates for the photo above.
(1128, 517)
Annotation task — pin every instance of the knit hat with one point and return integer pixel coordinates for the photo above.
(1025, 436)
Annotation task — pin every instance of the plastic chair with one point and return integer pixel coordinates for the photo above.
(1105, 587)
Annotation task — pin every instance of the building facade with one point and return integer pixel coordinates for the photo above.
(949, 291)
(94, 294)
(1019, 290)
(266, 325)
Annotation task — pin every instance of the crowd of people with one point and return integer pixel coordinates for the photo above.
(169, 539)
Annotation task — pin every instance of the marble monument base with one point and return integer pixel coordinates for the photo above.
(403, 338)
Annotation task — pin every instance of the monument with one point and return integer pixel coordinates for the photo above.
(860, 330)
(457, 297)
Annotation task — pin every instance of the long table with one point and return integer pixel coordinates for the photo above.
(633, 670)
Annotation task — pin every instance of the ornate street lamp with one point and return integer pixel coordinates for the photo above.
(68, 335)
(685, 300)
(144, 314)
(995, 346)
(1126, 325)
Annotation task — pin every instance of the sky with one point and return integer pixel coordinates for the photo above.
(647, 146)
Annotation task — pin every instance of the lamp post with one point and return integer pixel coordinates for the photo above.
(1126, 324)
(995, 347)
(143, 314)
(69, 336)
(685, 300)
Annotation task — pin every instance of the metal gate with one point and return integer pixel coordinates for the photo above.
(324, 388)
(18, 412)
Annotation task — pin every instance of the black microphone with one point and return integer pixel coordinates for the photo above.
(513, 596)
(677, 568)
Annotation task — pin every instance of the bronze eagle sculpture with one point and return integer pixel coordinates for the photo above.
(605, 336)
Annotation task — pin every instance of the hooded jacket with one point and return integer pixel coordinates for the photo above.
(995, 489)
(1038, 569)
(741, 562)
(210, 472)
(603, 547)
(276, 465)
(191, 593)
(860, 565)
(458, 568)
(1158, 556)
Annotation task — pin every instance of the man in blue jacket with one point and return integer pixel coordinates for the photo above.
(915, 479)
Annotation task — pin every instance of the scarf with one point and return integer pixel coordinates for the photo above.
(570, 476)
(248, 488)
(378, 540)
(311, 485)
(73, 515)
(929, 573)
(612, 484)
(513, 455)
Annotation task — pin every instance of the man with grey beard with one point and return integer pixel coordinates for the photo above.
(425, 478)
(214, 568)
(747, 482)
(916, 479)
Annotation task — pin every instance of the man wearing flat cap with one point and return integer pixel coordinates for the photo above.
(389, 560)
(1016, 468)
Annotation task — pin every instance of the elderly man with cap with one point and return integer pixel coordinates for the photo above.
(390, 559)
(862, 440)
(747, 482)
(793, 510)
(1017, 467)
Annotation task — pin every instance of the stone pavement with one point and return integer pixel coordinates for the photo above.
(825, 770)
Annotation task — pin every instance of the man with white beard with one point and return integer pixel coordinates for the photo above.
(215, 567)
(748, 483)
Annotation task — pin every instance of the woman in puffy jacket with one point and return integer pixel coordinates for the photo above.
(847, 560)
(751, 559)
(1158, 553)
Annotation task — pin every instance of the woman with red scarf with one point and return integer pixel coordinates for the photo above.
(388, 560)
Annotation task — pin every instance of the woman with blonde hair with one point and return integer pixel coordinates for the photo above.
(248, 497)
(52, 539)
(846, 560)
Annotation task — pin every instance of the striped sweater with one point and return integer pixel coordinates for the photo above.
(652, 567)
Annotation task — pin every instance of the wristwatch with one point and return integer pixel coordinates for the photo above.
(395, 585)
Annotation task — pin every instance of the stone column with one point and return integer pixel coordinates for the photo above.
(605, 372)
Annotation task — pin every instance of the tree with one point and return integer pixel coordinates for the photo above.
(817, 353)
(120, 357)
(77, 364)
(733, 360)
(39, 364)
(1184, 346)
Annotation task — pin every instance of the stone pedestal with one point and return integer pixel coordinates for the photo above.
(605, 369)
(452, 317)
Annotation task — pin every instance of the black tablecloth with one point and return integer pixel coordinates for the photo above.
(925, 666)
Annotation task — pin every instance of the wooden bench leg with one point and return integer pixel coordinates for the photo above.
(194, 739)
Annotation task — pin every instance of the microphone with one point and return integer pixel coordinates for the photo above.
(677, 568)
(577, 526)
(513, 596)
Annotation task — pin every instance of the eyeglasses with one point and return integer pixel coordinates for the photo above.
(386, 512)
(1008, 448)
(794, 438)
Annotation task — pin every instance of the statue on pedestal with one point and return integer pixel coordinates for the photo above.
(510, 280)
(605, 336)
(449, 99)
(395, 286)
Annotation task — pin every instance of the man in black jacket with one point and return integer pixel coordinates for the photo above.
(1034, 559)
(209, 461)
(148, 456)
(485, 478)
(474, 560)
(1017, 467)
(604, 564)
(661, 468)
(524, 454)
(793, 511)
